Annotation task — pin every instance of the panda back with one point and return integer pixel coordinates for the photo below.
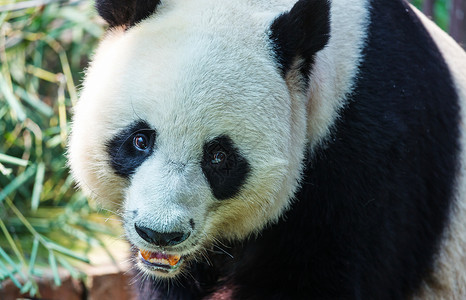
(449, 278)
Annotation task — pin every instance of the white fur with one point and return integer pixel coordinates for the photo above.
(196, 70)
(449, 280)
(336, 67)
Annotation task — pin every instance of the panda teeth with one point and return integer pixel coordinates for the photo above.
(157, 258)
(160, 261)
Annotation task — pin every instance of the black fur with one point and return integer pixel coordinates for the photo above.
(202, 280)
(124, 157)
(300, 33)
(162, 239)
(125, 12)
(374, 202)
(227, 177)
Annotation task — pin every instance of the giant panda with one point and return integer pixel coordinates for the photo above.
(279, 149)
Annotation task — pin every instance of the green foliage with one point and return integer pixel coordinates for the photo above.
(44, 222)
(441, 13)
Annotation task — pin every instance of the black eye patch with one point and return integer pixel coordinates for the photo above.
(130, 147)
(224, 167)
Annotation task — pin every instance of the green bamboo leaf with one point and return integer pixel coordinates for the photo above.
(3, 17)
(83, 21)
(26, 223)
(38, 184)
(9, 274)
(35, 102)
(53, 266)
(65, 264)
(15, 249)
(13, 160)
(33, 291)
(26, 287)
(25, 4)
(95, 227)
(81, 235)
(16, 268)
(38, 272)
(32, 260)
(17, 182)
(7, 258)
(54, 142)
(3, 111)
(64, 188)
(68, 77)
(68, 252)
(42, 74)
(42, 55)
(37, 59)
(52, 131)
(14, 103)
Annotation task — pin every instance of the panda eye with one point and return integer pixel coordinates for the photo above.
(218, 157)
(141, 141)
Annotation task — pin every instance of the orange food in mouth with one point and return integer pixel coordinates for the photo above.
(160, 258)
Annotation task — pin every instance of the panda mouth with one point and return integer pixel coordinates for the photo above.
(160, 261)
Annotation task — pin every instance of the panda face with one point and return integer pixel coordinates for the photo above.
(186, 123)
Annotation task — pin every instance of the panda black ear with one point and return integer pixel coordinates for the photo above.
(125, 12)
(300, 33)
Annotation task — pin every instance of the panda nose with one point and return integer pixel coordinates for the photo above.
(161, 238)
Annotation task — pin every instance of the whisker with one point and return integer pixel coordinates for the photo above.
(224, 251)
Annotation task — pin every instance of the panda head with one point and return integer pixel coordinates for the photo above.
(192, 119)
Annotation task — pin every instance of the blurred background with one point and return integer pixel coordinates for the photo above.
(46, 226)
(448, 14)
